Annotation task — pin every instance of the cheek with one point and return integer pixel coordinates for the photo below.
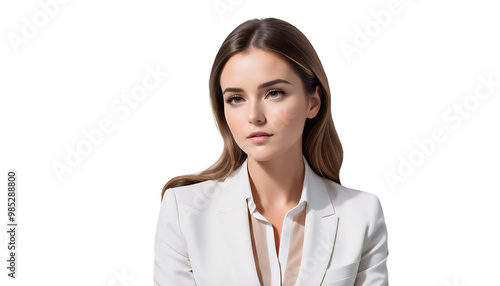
(233, 120)
(287, 115)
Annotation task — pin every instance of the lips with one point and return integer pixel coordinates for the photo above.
(259, 137)
(259, 134)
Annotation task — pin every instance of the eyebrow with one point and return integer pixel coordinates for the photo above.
(263, 85)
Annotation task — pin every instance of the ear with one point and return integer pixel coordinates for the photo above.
(314, 103)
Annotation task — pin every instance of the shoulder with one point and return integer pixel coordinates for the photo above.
(348, 195)
(194, 193)
(200, 198)
(352, 201)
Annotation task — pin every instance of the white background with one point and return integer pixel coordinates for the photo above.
(97, 223)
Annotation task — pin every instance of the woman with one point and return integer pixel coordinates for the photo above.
(271, 210)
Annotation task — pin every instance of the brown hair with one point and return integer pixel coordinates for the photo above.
(320, 143)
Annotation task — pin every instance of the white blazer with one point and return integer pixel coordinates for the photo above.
(203, 235)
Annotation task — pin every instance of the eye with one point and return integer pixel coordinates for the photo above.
(234, 100)
(275, 93)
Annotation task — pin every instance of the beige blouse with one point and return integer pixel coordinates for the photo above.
(272, 269)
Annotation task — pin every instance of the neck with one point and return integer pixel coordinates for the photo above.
(278, 182)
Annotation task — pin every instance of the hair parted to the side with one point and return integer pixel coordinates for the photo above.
(320, 143)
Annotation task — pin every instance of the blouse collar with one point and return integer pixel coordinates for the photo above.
(247, 192)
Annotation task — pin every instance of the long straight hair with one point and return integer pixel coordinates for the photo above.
(320, 143)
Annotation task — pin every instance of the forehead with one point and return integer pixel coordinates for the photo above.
(255, 66)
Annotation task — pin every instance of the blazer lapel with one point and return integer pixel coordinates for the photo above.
(320, 231)
(319, 237)
(235, 229)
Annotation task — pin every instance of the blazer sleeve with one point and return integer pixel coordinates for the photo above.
(372, 269)
(171, 264)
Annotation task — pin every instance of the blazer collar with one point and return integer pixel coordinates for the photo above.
(313, 190)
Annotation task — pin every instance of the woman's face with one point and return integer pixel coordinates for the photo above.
(262, 93)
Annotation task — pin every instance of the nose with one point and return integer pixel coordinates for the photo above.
(256, 114)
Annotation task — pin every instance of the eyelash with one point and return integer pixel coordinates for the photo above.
(230, 99)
